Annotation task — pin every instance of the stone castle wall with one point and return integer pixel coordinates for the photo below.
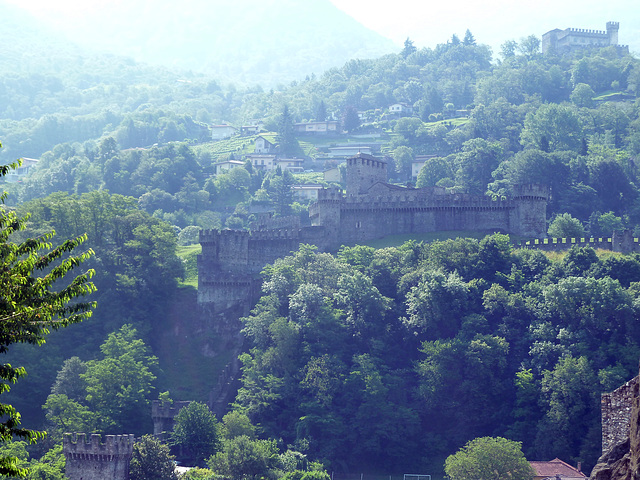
(616, 413)
(94, 460)
(370, 209)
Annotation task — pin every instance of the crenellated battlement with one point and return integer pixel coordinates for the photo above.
(531, 190)
(80, 444)
(89, 458)
(275, 234)
(588, 31)
(331, 194)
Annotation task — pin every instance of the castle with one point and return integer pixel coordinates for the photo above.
(570, 40)
(369, 209)
(95, 460)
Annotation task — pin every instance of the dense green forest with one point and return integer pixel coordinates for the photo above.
(382, 360)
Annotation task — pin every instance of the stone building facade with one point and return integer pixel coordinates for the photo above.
(370, 208)
(95, 460)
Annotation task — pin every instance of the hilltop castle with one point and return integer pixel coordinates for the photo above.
(570, 40)
(369, 209)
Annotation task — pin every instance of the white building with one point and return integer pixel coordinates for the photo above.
(17, 174)
(220, 132)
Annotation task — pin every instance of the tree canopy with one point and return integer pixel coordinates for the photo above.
(489, 458)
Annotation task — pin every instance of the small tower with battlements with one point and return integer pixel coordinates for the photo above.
(363, 171)
(95, 460)
(612, 32)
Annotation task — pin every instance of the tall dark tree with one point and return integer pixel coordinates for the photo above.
(286, 135)
(321, 112)
(408, 49)
(469, 39)
(350, 119)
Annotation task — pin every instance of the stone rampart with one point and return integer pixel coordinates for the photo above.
(91, 459)
(616, 413)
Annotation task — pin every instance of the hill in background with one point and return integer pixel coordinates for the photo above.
(249, 41)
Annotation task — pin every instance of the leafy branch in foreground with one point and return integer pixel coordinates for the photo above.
(33, 303)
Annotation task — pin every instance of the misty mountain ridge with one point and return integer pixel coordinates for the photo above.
(248, 41)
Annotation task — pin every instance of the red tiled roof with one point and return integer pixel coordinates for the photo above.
(556, 467)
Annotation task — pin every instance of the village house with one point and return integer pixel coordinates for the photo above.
(294, 165)
(17, 174)
(227, 165)
(332, 175)
(220, 132)
(318, 128)
(251, 129)
(306, 192)
(556, 469)
(264, 144)
(349, 151)
(269, 162)
(262, 162)
(401, 109)
(417, 164)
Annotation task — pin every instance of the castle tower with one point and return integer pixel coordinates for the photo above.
(362, 172)
(530, 213)
(164, 415)
(95, 460)
(612, 32)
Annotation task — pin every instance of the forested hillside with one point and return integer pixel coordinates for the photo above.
(394, 358)
(367, 360)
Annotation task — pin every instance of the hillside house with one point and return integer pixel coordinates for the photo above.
(227, 165)
(556, 469)
(318, 128)
(401, 109)
(570, 40)
(264, 144)
(17, 175)
(417, 164)
(306, 192)
(262, 162)
(349, 151)
(251, 129)
(220, 132)
(332, 175)
(294, 165)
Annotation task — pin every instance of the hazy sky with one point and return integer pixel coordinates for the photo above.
(429, 22)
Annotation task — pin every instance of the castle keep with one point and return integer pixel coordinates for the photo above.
(369, 209)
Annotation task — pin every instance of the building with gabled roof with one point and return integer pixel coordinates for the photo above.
(556, 469)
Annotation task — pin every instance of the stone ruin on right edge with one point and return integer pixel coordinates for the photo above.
(620, 458)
